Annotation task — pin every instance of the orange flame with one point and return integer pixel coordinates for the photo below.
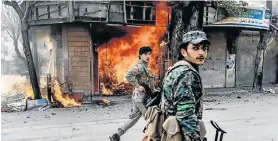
(163, 13)
(106, 101)
(122, 53)
(28, 92)
(105, 91)
(58, 95)
(64, 99)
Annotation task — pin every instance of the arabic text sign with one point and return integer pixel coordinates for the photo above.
(251, 18)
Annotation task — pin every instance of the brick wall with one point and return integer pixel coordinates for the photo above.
(79, 58)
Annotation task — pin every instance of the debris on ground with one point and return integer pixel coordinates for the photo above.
(269, 90)
(13, 107)
(46, 116)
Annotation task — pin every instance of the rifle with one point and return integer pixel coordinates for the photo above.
(155, 100)
(218, 129)
(155, 97)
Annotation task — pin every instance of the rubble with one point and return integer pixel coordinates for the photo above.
(75, 129)
(12, 103)
(16, 107)
(13, 97)
(270, 90)
(36, 105)
(43, 108)
(17, 103)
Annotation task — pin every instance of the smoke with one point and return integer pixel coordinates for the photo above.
(12, 68)
(45, 47)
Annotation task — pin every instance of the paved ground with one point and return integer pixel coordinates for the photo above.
(245, 116)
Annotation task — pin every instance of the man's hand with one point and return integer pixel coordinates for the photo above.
(140, 89)
(156, 90)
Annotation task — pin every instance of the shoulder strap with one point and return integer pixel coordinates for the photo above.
(162, 97)
(146, 71)
(198, 100)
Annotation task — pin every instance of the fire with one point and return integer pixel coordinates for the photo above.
(59, 96)
(163, 13)
(64, 99)
(106, 101)
(28, 92)
(121, 54)
(105, 90)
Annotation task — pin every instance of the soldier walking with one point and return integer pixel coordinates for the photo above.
(142, 80)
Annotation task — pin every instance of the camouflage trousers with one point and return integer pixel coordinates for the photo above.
(138, 109)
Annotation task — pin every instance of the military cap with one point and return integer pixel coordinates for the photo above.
(195, 37)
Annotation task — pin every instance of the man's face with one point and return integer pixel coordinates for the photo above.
(146, 57)
(195, 53)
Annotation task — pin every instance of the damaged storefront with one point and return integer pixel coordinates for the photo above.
(89, 46)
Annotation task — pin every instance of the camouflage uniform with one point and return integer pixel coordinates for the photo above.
(139, 75)
(182, 87)
(182, 92)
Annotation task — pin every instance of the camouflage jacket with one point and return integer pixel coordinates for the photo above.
(182, 87)
(140, 75)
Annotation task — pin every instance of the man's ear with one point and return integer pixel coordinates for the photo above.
(183, 52)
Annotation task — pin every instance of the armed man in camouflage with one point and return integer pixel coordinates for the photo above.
(182, 86)
(142, 80)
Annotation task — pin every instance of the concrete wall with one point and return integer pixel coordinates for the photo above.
(213, 71)
(271, 63)
(245, 57)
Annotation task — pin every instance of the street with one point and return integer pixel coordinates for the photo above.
(248, 117)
